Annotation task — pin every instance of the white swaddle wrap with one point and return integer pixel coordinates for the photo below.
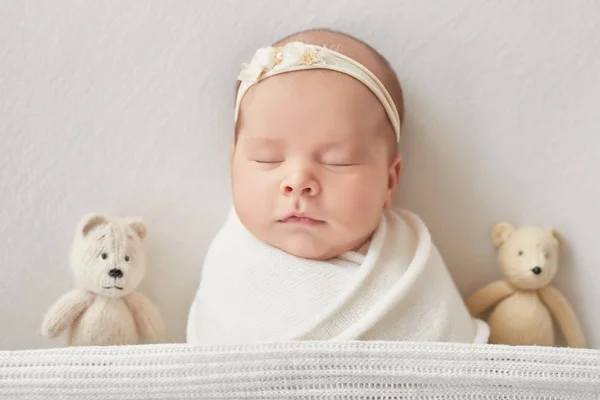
(400, 290)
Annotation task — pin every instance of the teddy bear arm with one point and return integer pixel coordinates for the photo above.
(147, 316)
(65, 311)
(488, 296)
(564, 315)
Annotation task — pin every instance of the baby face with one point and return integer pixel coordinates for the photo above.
(311, 167)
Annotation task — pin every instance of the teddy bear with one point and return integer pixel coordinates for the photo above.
(108, 260)
(525, 304)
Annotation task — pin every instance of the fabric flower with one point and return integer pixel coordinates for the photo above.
(268, 58)
(292, 54)
(264, 59)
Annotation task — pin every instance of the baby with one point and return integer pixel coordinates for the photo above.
(313, 248)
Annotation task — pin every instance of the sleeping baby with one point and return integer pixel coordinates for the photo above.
(313, 248)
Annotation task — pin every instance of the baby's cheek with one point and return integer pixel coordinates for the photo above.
(252, 197)
(362, 202)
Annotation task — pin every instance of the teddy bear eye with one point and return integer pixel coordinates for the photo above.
(127, 258)
(520, 252)
(104, 256)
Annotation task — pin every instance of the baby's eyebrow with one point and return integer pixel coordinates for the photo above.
(262, 141)
(262, 138)
(340, 145)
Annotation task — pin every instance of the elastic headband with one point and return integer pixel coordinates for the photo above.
(295, 56)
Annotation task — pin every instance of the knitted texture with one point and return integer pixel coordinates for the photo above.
(108, 260)
(525, 305)
(251, 292)
(302, 370)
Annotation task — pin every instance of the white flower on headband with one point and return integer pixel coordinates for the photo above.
(268, 58)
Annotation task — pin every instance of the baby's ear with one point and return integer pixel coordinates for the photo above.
(394, 172)
(501, 233)
(90, 222)
(139, 226)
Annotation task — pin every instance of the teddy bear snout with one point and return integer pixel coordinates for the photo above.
(115, 273)
(536, 270)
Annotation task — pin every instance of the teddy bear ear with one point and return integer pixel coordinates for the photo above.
(139, 226)
(90, 222)
(558, 236)
(501, 233)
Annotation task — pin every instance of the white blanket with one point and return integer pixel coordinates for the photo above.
(400, 290)
(301, 370)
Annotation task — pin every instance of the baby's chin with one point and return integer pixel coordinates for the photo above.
(308, 252)
(310, 247)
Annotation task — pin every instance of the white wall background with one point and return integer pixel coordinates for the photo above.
(125, 107)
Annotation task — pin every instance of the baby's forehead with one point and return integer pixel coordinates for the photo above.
(314, 99)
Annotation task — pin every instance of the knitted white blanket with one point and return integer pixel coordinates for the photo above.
(400, 290)
(301, 370)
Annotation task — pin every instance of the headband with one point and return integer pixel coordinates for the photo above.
(295, 56)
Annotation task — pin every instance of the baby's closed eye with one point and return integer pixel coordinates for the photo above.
(267, 161)
(341, 160)
(266, 157)
(341, 163)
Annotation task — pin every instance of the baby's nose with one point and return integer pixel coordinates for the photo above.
(308, 190)
(300, 185)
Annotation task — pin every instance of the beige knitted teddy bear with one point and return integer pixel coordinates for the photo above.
(108, 260)
(526, 304)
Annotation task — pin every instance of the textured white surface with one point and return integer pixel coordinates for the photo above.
(127, 108)
(302, 370)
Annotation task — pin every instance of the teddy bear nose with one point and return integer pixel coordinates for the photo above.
(536, 270)
(115, 273)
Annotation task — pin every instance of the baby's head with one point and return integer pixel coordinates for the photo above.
(319, 145)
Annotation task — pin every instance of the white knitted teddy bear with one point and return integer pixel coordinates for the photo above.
(108, 260)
